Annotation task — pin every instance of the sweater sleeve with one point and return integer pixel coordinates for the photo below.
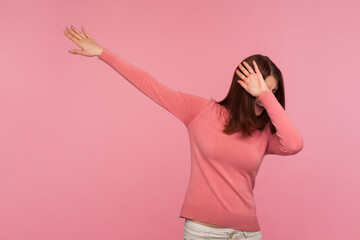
(182, 105)
(287, 139)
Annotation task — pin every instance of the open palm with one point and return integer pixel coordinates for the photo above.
(252, 82)
(84, 41)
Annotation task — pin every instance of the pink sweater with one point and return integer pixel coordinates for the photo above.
(223, 167)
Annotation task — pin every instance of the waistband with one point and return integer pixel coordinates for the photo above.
(201, 227)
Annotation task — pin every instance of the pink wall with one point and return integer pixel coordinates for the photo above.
(85, 155)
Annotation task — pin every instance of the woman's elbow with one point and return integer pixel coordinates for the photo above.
(297, 146)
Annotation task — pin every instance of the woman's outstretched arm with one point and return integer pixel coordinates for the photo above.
(182, 105)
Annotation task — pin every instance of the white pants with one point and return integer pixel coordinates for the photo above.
(196, 231)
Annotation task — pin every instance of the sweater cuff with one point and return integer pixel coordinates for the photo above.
(264, 95)
(268, 99)
(105, 54)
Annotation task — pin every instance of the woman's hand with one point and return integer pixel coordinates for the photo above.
(88, 45)
(254, 82)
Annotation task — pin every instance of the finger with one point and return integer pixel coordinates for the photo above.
(72, 38)
(256, 67)
(243, 84)
(72, 32)
(76, 51)
(243, 69)
(248, 67)
(240, 75)
(78, 32)
(86, 33)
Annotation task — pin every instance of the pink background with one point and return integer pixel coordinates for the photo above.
(85, 155)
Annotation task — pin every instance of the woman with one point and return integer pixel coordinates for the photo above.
(228, 139)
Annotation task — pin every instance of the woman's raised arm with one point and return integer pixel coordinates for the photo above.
(182, 105)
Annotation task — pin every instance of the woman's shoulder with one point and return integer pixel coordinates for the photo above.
(221, 111)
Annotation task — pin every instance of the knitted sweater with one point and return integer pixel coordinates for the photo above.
(223, 167)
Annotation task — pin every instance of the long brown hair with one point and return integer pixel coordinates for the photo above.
(240, 104)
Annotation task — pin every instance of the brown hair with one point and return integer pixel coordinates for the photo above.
(240, 103)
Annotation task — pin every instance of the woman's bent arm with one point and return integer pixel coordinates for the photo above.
(287, 139)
